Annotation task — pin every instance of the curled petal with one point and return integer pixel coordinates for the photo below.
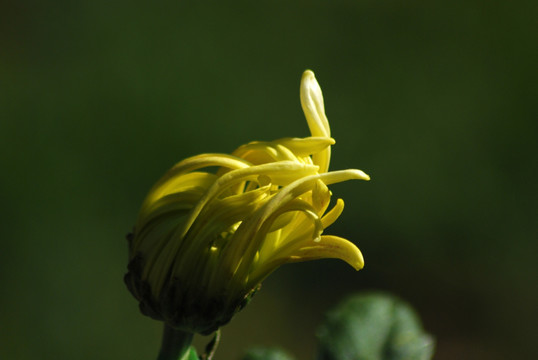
(329, 218)
(330, 247)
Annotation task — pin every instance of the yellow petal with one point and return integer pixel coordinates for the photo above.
(313, 107)
(329, 247)
(343, 175)
(195, 163)
(280, 173)
(306, 146)
(194, 181)
(321, 196)
(261, 152)
(333, 214)
(314, 110)
(332, 247)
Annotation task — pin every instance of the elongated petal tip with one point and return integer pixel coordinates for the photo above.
(360, 175)
(359, 263)
(347, 251)
(312, 104)
(308, 75)
(334, 247)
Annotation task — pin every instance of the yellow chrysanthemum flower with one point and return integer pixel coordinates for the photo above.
(204, 240)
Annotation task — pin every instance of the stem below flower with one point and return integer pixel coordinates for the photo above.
(175, 343)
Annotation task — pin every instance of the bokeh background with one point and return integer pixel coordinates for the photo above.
(436, 100)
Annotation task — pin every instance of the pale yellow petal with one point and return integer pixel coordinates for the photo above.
(314, 110)
(306, 146)
(321, 196)
(343, 175)
(313, 107)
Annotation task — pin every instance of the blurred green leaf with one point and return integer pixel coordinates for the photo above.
(190, 355)
(373, 326)
(266, 354)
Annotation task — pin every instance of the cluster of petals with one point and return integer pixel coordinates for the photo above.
(218, 224)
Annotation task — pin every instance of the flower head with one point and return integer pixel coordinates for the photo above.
(204, 241)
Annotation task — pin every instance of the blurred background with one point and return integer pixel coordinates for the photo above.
(436, 100)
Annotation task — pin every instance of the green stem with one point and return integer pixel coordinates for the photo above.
(175, 343)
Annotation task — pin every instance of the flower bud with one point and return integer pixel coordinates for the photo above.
(204, 241)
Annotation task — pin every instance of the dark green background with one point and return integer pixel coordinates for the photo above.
(436, 100)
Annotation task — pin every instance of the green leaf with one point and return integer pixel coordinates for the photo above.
(373, 326)
(190, 354)
(266, 354)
